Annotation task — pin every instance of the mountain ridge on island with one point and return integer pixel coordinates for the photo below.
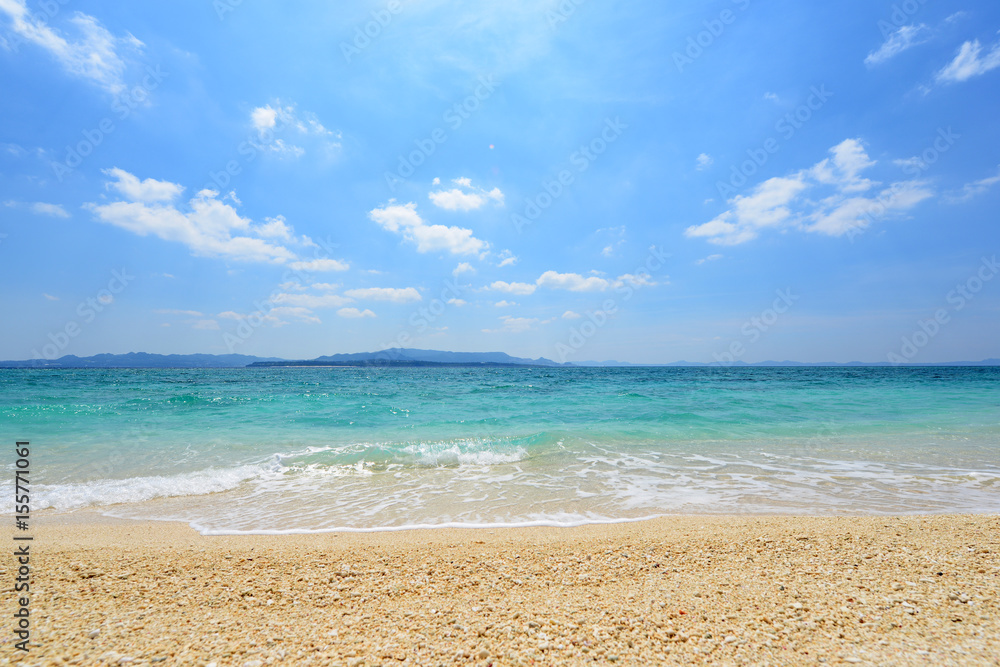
(414, 357)
(406, 357)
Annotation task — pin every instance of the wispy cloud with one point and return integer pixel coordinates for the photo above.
(297, 127)
(39, 208)
(906, 37)
(393, 294)
(513, 288)
(975, 188)
(171, 311)
(970, 62)
(777, 203)
(354, 313)
(573, 282)
(311, 301)
(321, 265)
(514, 325)
(464, 267)
(92, 54)
(507, 258)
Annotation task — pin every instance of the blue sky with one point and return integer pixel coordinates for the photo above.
(642, 181)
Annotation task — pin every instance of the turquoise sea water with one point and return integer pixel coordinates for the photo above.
(296, 450)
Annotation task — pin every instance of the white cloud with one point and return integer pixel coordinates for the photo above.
(270, 120)
(39, 208)
(280, 147)
(404, 220)
(209, 228)
(464, 198)
(703, 161)
(275, 228)
(94, 55)
(640, 280)
(269, 317)
(311, 301)
(456, 200)
(849, 160)
(770, 204)
(458, 303)
(148, 191)
(55, 210)
(710, 258)
(354, 313)
(507, 258)
(616, 235)
(393, 294)
(968, 63)
(975, 188)
(570, 315)
(264, 118)
(504, 304)
(771, 97)
(905, 38)
(514, 325)
(513, 288)
(325, 287)
(573, 282)
(50, 297)
(322, 265)
(464, 267)
(297, 312)
(171, 311)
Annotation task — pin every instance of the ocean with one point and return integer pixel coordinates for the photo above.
(296, 450)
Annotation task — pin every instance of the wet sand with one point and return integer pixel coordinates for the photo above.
(685, 590)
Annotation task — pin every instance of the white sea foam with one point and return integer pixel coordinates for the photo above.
(457, 454)
(139, 489)
(472, 483)
(546, 523)
(287, 465)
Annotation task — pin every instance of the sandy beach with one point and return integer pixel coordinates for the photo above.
(686, 590)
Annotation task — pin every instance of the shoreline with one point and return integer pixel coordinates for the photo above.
(671, 590)
(97, 515)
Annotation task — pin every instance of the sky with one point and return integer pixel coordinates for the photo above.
(638, 181)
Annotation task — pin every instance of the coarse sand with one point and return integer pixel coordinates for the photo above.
(920, 590)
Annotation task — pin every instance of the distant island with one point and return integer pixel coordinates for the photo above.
(410, 358)
(401, 358)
